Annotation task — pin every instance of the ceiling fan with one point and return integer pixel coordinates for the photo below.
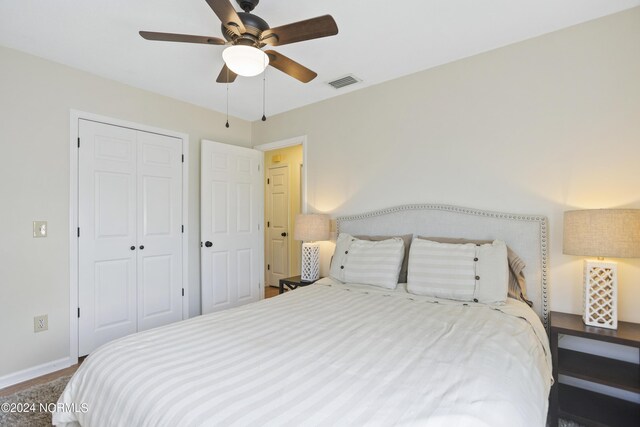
(247, 34)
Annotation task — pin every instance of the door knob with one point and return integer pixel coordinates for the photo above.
(208, 244)
(283, 234)
(141, 247)
(133, 248)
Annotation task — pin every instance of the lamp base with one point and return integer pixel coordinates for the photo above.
(600, 294)
(310, 262)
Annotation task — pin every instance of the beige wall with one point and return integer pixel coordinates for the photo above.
(541, 126)
(291, 157)
(35, 98)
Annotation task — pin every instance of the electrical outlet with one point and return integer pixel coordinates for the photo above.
(41, 323)
(39, 228)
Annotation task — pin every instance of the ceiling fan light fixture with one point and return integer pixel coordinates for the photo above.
(245, 61)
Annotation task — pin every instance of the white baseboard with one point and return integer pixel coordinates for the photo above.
(35, 371)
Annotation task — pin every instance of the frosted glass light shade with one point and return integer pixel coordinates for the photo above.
(613, 233)
(311, 227)
(245, 61)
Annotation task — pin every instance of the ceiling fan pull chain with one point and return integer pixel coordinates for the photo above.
(227, 124)
(264, 93)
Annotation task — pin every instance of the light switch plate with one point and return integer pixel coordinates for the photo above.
(41, 323)
(39, 228)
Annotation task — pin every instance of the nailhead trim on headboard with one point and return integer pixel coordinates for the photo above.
(541, 219)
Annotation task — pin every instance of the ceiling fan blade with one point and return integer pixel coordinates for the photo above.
(290, 67)
(226, 75)
(313, 28)
(228, 15)
(185, 38)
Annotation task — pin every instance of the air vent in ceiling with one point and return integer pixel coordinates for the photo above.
(344, 81)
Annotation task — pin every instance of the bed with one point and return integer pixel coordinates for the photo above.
(340, 353)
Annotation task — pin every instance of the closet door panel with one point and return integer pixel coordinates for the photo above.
(107, 220)
(159, 182)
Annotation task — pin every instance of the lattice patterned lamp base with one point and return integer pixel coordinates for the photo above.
(601, 294)
(310, 261)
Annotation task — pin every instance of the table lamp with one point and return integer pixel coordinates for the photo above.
(309, 228)
(601, 233)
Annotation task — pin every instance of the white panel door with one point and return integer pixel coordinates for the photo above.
(159, 230)
(277, 225)
(107, 226)
(230, 222)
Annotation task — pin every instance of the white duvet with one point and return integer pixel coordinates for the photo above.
(327, 354)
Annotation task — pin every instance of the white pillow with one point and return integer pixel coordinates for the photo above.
(465, 272)
(375, 263)
(343, 243)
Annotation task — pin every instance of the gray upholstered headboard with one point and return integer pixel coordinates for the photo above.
(525, 234)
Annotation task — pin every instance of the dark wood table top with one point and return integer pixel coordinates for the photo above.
(571, 324)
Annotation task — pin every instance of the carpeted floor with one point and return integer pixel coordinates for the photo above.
(29, 402)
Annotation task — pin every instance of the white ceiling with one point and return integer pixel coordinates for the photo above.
(379, 40)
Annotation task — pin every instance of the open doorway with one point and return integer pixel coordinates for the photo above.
(283, 168)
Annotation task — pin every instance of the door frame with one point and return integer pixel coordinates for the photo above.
(297, 140)
(74, 117)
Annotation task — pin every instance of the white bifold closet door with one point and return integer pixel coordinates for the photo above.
(232, 200)
(130, 232)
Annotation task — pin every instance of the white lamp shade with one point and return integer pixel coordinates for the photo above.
(245, 60)
(311, 227)
(613, 233)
